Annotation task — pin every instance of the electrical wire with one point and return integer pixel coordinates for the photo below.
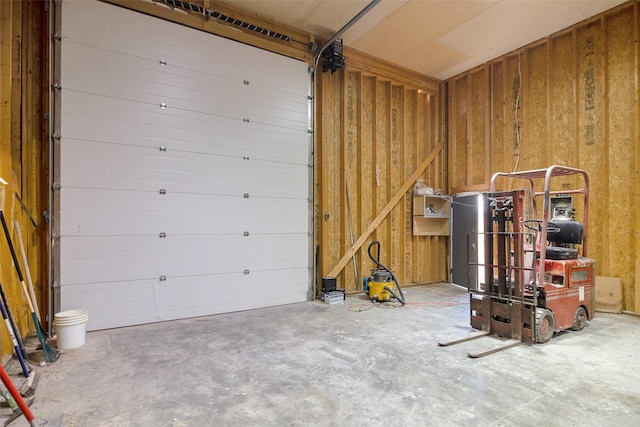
(463, 204)
(413, 305)
(517, 120)
(448, 300)
(356, 307)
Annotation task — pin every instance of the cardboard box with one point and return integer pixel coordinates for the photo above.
(608, 294)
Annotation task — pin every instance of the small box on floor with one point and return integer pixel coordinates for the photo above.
(334, 297)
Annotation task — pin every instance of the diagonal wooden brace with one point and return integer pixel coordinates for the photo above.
(385, 211)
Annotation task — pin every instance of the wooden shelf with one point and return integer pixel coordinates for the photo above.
(431, 215)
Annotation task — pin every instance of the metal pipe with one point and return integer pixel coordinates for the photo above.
(343, 29)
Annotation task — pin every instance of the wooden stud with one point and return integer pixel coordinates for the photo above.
(381, 150)
(404, 232)
(366, 181)
(488, 116)
(621, 111)
(412, 137)
(360, 202)
(469, 128)
(393, 168)
(605, 154)
(523, 64)
(5, 133)
(500, 136)
(548, 157)
(421, 253)
(373, 111)
(636, 199)
(576, 95)
(341, 195)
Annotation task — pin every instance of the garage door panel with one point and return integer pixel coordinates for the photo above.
(104, 166)
(109, 248)
(114, 304)
(152, 39)
(116, 75)
(113, 201)
(87, 211)
(108, 259)
(143, 224)
(97, 108)
(230, 292)
(85, 117)
(184, 176)
(207, 254)
(119, 304)
(89, 259)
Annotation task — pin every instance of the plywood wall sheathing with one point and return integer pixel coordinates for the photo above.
(385, 128)
(636, 20)
(621, 81)
(570, 99)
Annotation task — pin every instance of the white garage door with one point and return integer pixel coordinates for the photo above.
(183, 171)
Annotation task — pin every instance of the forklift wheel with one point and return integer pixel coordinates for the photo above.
(545, 325)
(580, 320)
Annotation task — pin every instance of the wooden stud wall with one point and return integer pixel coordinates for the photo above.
(372, 133)
(23, 150)
(570, 99)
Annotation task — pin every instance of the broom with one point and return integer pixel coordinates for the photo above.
(50, 353)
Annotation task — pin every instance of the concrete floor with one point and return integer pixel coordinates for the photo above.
(313, 364)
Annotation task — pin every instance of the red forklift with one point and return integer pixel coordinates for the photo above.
(534, 277)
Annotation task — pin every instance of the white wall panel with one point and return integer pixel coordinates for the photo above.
(221, 128)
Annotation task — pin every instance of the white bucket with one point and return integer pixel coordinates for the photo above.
(71, 328)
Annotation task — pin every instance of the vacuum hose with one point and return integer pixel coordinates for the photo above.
(399, 295)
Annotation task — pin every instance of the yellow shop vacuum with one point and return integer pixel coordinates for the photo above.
(382, 285)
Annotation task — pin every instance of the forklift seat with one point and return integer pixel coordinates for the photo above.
(559, 253)
(569, 233)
